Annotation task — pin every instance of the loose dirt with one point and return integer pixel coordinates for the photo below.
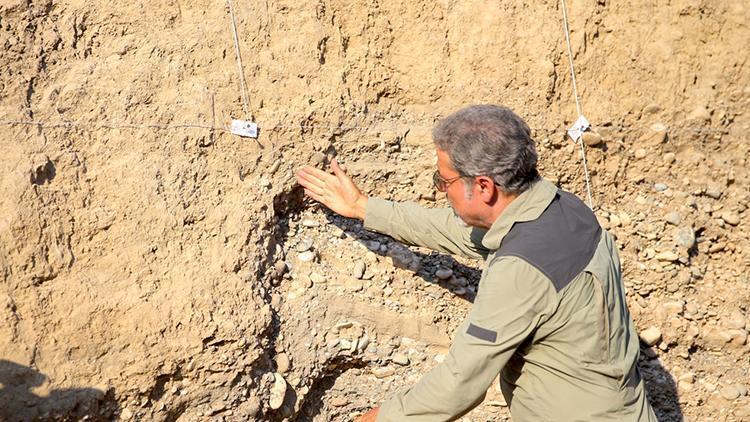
(156, 267)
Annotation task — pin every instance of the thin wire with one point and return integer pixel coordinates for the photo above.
(243, 87)
(373, 128)
(578, 103)
(570, 58)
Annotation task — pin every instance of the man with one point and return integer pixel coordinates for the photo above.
(550, 313)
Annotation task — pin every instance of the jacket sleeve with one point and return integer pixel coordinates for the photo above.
(512, 300)
(435, 228)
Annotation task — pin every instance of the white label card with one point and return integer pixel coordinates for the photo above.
(244, 128)
(580, 126)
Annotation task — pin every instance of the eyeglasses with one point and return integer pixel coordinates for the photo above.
(441, 184)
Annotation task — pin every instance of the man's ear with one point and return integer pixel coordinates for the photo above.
(486, 189)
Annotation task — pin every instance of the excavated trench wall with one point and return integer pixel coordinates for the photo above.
(138, 256)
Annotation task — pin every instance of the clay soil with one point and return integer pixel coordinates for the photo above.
(153, 266)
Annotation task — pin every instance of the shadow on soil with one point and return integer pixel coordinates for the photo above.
(661, 389)
(19, 403)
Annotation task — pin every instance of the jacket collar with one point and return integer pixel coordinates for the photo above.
(527, 206)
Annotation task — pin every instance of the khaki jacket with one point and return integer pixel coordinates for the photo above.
(549, 316)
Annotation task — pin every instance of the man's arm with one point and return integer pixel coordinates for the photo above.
(435, 228)
(511, 302)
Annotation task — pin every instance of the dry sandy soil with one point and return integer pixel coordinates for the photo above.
(155, 267)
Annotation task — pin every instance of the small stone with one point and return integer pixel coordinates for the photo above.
(359, 270)
(700, 113)
(364, 341)
(443, 273)
(337, 232)
(614, 220)
(354, 285)
(673, 218)
(404, 258)
(591, 139)
(307, 256)
(667, 256)
(317, 278)
(739, 337)
(651, 109)
(660, 187)
(736, 320)
(685, 237)
(308, 222)
(274, 167)
(742, 389)
(640, 153)
(280, 268)
(400, 358)
(282, 363)
(650, 336)
(656, 136)
(716, 338)
(345, 344)
(373, 245)
(305, 244)
(687, 378)
(339, 401)
(278, 391)
(714, 192)
(669, 158)
(126, 414)
(383, 372)
(730, 393)
(730, 218)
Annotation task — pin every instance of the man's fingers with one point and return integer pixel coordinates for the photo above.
(317, 173)
(318, 190)
(307, 179)
(313, 195)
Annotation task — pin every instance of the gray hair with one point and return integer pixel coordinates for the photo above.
(492, 141)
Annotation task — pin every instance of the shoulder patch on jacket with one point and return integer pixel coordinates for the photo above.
(560, 243)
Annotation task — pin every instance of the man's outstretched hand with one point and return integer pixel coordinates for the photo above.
(336, 191)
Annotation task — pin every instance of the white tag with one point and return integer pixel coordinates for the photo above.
(244, 128)
(580, 126)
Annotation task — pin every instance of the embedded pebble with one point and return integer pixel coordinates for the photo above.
(640, 153)
(339, 401)
(359, 270)
(373, 245)
(730, 392)
(305, 244)
(713, 192)
(126, 414)
(650, 336)
(660, 187)
(730, 218)
(282, 363)
(667, 256)
(591, 139)
(307, 256)
(685, 237)
(317, 278)
(673, 218)
(278, 391)
(444, 273)
(308, 222)
(669, 157)
(400, 359)
(383, 372)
